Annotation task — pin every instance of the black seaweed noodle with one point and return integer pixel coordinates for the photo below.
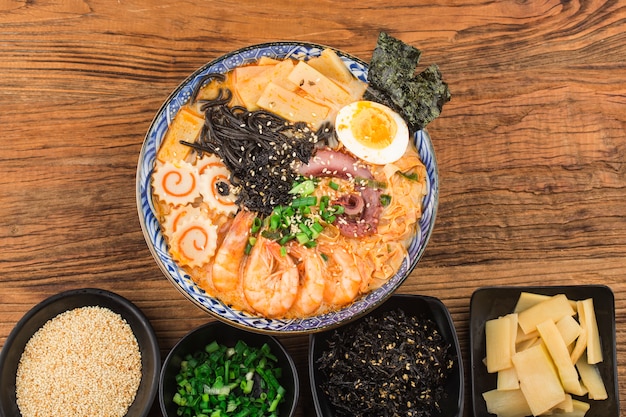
(258, 147)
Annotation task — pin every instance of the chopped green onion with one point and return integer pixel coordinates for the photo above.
(219, 381)
(256, 225)
(304, 188)
(413, 176)
(302, 238)
(333, 185)
(304, 201)
(366, 182)
(385, 200)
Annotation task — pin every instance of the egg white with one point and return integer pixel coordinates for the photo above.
(346, 120)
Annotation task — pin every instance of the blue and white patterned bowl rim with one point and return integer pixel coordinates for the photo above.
(184, 283)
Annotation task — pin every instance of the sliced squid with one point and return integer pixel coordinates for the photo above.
(215, 187)
(176, 183)
(194, 241)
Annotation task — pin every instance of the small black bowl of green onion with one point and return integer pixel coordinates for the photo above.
(219, 370)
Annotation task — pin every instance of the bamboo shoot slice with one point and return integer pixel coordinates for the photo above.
(250, 89)
(580, 408)
(554, 308)
(519, 347)
(186, 126)
(565, 406)
(291, 106)
(560, 356)
(331, 65)
(527, 300)
(318, 86)
(569, 329)
(594, 349)
(507, 403)
(507, 379)
(591, 378)
(498, 344)
(522, 337)
(538, 378)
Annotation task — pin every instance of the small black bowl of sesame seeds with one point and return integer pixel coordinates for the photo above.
(403, 359)
(81, 352)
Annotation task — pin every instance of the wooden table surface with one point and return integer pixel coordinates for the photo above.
(531, 147)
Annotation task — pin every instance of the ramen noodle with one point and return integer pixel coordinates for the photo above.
(276, 202)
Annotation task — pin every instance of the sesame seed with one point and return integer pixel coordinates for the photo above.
(85, 361)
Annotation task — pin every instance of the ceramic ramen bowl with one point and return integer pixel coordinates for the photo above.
(185, 284)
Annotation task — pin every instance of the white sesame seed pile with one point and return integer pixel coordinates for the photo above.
(83, 362)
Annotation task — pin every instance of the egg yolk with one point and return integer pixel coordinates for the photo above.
(372, 127)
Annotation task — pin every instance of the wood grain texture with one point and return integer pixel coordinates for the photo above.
(531, 148)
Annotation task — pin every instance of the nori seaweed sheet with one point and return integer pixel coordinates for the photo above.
(419, 98)
(394, 365)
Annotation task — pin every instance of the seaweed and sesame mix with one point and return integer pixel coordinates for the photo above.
(394, 365)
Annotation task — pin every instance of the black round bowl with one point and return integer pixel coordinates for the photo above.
(225, 334)
(412, 305)
(68, 300)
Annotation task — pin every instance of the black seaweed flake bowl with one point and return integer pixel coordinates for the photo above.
(185, 284)
(227, 335)
(492, 302)
(422, 307)
(34, 319)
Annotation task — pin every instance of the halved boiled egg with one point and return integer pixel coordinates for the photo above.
(372, 132)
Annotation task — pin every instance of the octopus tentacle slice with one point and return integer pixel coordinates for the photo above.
(176, 183)
(194, 242)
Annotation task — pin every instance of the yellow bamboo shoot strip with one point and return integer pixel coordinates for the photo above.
(329, 64)
(510, 403)
(591, 378)
(553, 308)
(527, 300)
(527, 343)
(594, 349)
(185, 126)
(249, 85)
(499, 333)
(291, 106)
(538, 378)
(319, 86)
(569, 329)
(580, 409)
(560, 356)
(522, 337)
(507, 379)
(565, 406)
(581, 343)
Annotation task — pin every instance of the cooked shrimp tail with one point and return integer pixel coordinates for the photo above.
(312, 282)
(343, 276)
(270, 280)
(230, 255)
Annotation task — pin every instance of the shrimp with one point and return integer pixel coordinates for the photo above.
(312, 283)
(343, 277)
(270, 280)
(229, 257)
